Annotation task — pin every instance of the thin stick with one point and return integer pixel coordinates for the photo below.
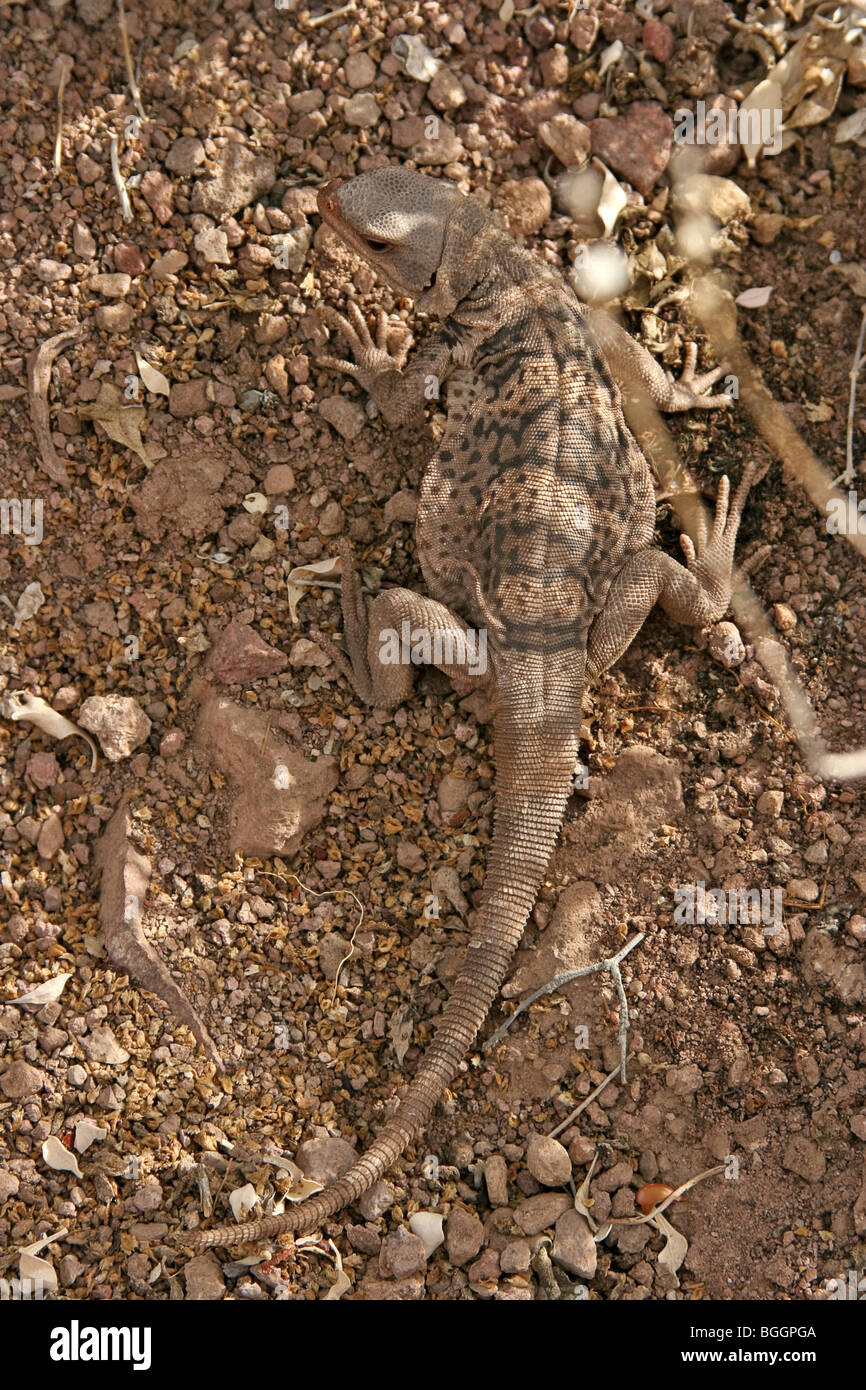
(847, 478)
(125, 205)
(127, 57)
(331, 14)
(589, 1099)
(65, 72)
(611, 965)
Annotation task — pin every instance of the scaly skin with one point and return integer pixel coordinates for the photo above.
(535, 523)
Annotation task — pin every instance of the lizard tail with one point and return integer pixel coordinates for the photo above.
(535, 770)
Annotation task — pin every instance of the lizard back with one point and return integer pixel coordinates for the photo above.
(542, 488)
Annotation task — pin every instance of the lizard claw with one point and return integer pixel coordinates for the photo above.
(710, 557)
(689, 391)
(386, 352)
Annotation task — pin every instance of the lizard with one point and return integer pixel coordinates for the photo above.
(535, 524)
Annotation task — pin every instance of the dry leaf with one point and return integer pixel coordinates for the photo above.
(38, 1272)
(852, 127)
(400, 1032)
(755, 298)
(120, 420)
(854, 275)
(343, 1282)
(304, 577)
(302, 1187)
(47, 992)
(38, 380)
(341, 1285)
(676, 1249)
(154, 381)
(29, 603)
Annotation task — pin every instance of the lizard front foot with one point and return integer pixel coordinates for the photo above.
(386, 352)
(689, 391)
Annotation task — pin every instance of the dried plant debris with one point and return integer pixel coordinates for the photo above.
(121, 419)
(21, 705)
(804, 85)
(125, 876)
(38, 380)
(46, 993)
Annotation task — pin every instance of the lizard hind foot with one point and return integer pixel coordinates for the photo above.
(689, 390)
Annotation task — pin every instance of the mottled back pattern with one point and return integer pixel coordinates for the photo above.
(542, 488)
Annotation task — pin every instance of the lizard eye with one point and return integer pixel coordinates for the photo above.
(378, 245)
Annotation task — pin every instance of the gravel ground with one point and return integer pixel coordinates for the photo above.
(300, 943)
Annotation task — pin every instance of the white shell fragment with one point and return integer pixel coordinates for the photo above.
(47, 992)
(87, 1133)
(754, 298)
(302, 1187)
(242, 1201)
(303, 577)
(57, 1156)
(415, 57)
(428, 1225)
(255, 502)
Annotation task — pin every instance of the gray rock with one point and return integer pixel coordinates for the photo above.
(548, 1161)
(574, 1249)
(464, 1236)
(325, 1160)
(402, 1254)
(204, 1279)
(535, 1214)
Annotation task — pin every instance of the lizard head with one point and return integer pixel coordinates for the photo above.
(415, 231)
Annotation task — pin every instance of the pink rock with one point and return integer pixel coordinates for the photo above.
(182, 495)
(637, 145)
(158, 193)
(464, 1235)
(43, 770)
(658, 39)
(241, 656)
(51, 836)
(279, 794)
(118, 721)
